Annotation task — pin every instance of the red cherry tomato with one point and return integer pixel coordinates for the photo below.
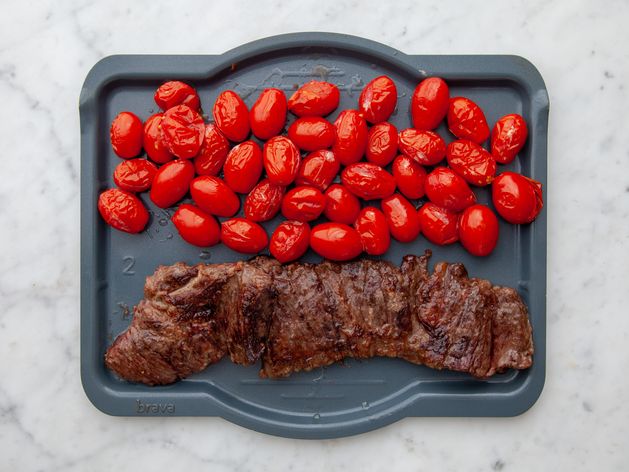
(335, 241)
(290, 241)
(378, 99)
(183, 131)
(318, 169)
(448, 190)
(341, 205)
(243, 167)
(425, 147)
(214, 196)
(466, 120)
(373, 229)
(508, 137)
(314, 99)
(368, 181)
(478, 230)
(122, 210)
(126, 135)
(401, 217)
(429, 104)
(175, 93)
(268, 113)
(439, 226)
(213, 152)
(471, 162)
(311, 133)
(264, 201)
(195, 226)
(351, 137)
(171, 182)
(409, 177)
(231, 116)
(516, 198)
(382, 144)
(152, 140)
(135, 175)
(303, 204)
(242, 235)
(281, 160)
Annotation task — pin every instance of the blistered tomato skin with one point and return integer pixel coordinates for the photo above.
(314, 98)
(478, 230)
(425, 147)
(373, 229)
(264, 201)
(290, 241)
(368, 181)
(171, 182)
(213, 152)
(439, 226)
(243, 167)
(516, 198)
(351, 137)
(401, 217)
(508, 137)
(429, 104)
(341, 205)
(466, 120)
(268, 113)
(382, 144)
(410, 177)
(123, 210)
(335, 241)
(242, 235)
(448, 190)
(153, 142)
(231, 116)
(135, 175)
(183, 131)
(471, 161)
(318, 169)
(281, 160)
(213, 196)
(311, 133)
(126, 134)
(175, 93)
(378, 99)
(303, 204)
(195, 226)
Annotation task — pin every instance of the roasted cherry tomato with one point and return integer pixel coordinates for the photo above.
(311, 133)
(182, 131)
(429, 104)
(135, 175)
(335, 241)
(213, 152)
(195, 226)
(126, 135)
(231, 116)
(516, 198)
(171, 182)
(425, 147)
(314, 98)
(508, 137)
(373, 229)
(378, 99)
(281, 160)
(449, 190)
(471, 161)
(123, 210)
(382, 144)
(243, 167)
(268, 113)
(318, 169)
(175, 93)
(439, 226)
(410, 177)
(290, 241)
(214, 196)
(242, 235)
(264, 201)
(466, 120)
(153, 142)
(478, 230)
(351, 137)
(401, 217)
(368, 181)
(341, 205)
(303, 204)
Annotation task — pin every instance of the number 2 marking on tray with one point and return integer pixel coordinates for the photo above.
(129, 262)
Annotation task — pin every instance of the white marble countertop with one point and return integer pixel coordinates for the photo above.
(581, 420)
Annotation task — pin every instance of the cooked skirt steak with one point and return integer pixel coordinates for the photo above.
(301, 316)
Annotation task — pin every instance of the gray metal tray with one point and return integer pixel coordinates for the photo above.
(343, 399)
